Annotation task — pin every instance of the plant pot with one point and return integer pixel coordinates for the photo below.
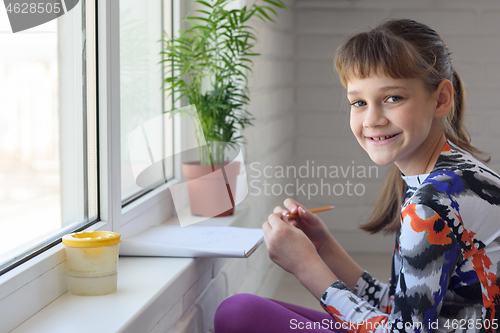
(210, 195)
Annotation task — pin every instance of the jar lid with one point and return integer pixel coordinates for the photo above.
(92, 238)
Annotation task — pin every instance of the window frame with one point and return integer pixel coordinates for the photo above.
(87, 187)
(166, 25)
(156, 205)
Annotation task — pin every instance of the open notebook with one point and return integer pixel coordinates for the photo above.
(193, 241)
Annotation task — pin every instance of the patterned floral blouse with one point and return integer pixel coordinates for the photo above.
(446, 262)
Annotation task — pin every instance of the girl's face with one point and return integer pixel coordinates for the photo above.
(394, 120)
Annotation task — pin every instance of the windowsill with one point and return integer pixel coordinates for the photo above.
(147, 288)
(140, 282)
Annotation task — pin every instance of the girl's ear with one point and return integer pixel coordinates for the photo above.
(444, 100)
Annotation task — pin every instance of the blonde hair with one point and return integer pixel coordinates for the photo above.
(404, 49)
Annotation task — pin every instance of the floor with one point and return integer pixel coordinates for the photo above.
(291, 291)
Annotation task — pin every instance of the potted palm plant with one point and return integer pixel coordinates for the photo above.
(206, 66)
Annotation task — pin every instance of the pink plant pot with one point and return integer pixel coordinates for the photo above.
(209, 193)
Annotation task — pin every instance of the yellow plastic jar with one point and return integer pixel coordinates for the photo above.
(92, 260)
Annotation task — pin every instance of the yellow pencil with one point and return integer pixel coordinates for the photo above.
(314, 210)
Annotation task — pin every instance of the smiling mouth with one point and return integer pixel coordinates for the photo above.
(382, 138)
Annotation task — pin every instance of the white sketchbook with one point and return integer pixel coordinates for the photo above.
(193, 241)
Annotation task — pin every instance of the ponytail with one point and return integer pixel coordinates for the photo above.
(454, 128)
(387, 210)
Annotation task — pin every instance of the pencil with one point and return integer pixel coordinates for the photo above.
(314, 210)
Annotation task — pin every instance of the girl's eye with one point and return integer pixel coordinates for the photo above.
(358, 104)
(394, 99)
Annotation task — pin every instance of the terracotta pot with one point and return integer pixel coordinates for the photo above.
(209, 194)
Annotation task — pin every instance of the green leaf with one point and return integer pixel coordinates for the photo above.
(269, 9)
(277, 3)
(247, 60)
(203, 11)
(259, 16)
(220, 2)
(204, 3)
(198, 18)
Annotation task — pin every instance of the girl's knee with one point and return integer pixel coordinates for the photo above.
(236, 304)
(234, 314)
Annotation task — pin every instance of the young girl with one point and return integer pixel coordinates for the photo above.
(440, 200)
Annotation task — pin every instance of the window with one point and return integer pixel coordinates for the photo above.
(48, 133)
(81, 170)
(49, 155)
(146, 135)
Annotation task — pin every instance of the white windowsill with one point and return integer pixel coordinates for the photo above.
(140, 282)
(147, 288)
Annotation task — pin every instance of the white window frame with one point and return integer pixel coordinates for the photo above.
(154, 207)
(47, 271)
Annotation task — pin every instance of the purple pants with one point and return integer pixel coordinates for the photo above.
(245, 313)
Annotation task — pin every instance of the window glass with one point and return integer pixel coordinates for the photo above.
(48, 135)
(144, 131)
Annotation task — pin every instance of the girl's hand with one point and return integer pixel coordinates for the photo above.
(329, 250)
(315, 229)
(288, 246)
(291, 249)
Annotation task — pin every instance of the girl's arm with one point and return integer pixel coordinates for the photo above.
(339, 262)
(291, 249)
(334, 256)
